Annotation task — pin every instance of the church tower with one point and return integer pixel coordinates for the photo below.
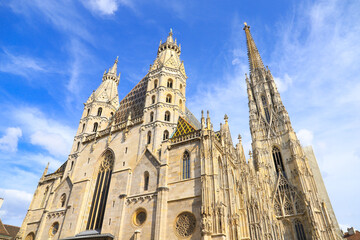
(279, 158)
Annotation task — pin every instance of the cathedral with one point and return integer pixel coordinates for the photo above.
(146, 168)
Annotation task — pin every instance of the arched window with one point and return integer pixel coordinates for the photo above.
(146, 181)
(181, 88)
(170, 83)
(72, 165)
(265, 106)
(97, 210)
(78, 146)
(95, 127)
(112, 114)
(220, 174)
(279, 165)
(168, 98)
(180, 104)
(155, 83)
(83, 128)
(153, 99)
(151, 116)
(99, 111)
(186, 165)
(299, 228)
(149, 137)
(167, 116)
(166, 135)
(88, 112)
(62, 200)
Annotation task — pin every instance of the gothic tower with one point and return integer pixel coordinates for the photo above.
(279, 158)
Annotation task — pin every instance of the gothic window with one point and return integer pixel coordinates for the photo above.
(181, 88)
(151, 116)
(83, 127)
(149, 137)
(185, 224)
(146, 181)
(168, 98)
(170, 83)
(95, 127)
(62, 200)
(78, 146)
(97, 210)
(88, 111)
(72, 165)
(220, 174)
(166, 135)
(44, 197)
(180, 104)
(186, 165)
(30, 236)
(99, 111)
(299, 228)
(153, 99)
(167, 116)
(266, 110)
(155, 83)
(279, 166)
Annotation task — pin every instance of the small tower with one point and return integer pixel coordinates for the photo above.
(99, 108)
(165, 96)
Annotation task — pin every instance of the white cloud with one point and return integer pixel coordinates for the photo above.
(283, 83)
(106, 7)
(45, 132)
(305, 136)
(21, 65)
(9, 141)
(15, 205)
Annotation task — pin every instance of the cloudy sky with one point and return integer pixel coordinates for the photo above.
(53, 55)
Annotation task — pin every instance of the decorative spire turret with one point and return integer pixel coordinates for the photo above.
(169, 44)
(111, 74)
(255, 61)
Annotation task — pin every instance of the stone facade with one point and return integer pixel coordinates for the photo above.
(145, 168)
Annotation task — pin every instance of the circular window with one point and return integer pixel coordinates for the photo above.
(185, 224)
(54, 229)
(139, 217)
(30, 236)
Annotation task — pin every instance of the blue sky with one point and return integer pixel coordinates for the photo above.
(53, 55)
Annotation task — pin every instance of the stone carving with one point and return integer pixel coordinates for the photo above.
(185, 224)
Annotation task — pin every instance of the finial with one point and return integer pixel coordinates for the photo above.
(160, 42)
(239, 137)
(117, 59)
(202, 113)
(226, 118)
(170, 30)
(208, 114)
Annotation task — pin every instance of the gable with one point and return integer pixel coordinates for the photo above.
(183, 127)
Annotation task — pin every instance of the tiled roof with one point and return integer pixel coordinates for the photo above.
(133, 102)
(3, 230)
(12, 230)
(355, 236)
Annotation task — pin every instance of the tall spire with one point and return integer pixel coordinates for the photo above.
(170, 38)
(255, 61)
(113, 69)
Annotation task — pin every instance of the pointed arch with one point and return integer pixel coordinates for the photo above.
(153, 99)
(165, 135)
(149, 137)
(167, 116)
(299, 229)
(95, 127)
(265, 107)
(186, 165)
(83, 128)
(62, 200)
(155, 83)
(99, 112)
(168, 98)
(97, 210)
(278, 161)
(146, 180)
(151, 116)
(170, 83)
